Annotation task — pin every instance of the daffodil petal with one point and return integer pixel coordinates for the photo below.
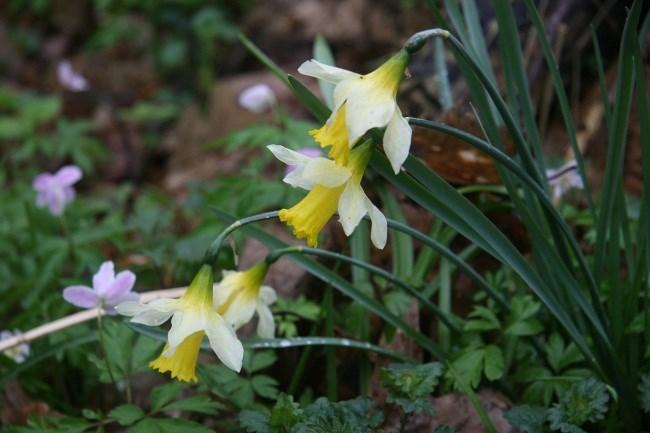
(379, 228)
(297, 179)
(352, 207)
(265, 322)
(184, 323)
(397, 140)
(343, 90)
(323, 171)
(332, 74)
(368, 108)
(224, 342)
(241, 310)
(267, 295)
(288, 156)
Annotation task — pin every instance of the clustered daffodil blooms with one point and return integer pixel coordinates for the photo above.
(240, 295)
(332, 187)
(193, 316)
(363, 102)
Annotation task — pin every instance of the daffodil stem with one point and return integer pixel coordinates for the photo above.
(213, 251)
(276, 254)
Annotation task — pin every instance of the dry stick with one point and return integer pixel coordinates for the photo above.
(80, 317)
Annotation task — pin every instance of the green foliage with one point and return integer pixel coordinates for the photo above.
(288, 311)
(529, 419)
(585, 402)
(127, 353)
(241, 389)
(409, 385)
(644, 392)
(322, 416)
(126, 414)
(476, 362)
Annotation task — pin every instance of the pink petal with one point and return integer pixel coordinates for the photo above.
(81, 296)
(120, 287)
(68, 175)
(42, 181)
(104, 277)
(111, 303)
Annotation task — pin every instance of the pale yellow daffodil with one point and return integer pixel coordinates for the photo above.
(240, 295)
(332, 187)
(365, 102)
(192, 316)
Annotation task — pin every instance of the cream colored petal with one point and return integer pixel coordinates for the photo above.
(368, 108)
(397, 140)
(224, 342)
(323, 171)
(332, 74)
(222, 290)
(342, 92)
(265, 322)
(154, 313)
(379, 228)
(184, 323)
(267, 295)
(352, 207)
(288, 156)
(240, 311)
(297, 179)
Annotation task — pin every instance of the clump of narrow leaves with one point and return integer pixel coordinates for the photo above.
(409, 385)
(322, 416)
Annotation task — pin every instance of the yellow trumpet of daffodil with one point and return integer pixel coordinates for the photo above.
(240, 295)
(363, 102)
(192, 316)
(332, 187)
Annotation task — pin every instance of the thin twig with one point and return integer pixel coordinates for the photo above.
(80, 317)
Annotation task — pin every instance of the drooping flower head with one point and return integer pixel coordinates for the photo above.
(240, 295)
(18, 353)
(193, 316)
(332, 187)
(55, 190)
(363, 102)
(108, 289)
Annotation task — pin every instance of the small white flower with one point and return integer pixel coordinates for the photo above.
(257, 99)
(563, 179)
(18, 353)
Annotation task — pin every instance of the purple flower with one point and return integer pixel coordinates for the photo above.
(108, 289)
(55, 190)
(69, 78)
(311, 152)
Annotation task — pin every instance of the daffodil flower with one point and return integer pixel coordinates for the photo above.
(332, 187)
(240, 295)
(365, 102)
(193, 316)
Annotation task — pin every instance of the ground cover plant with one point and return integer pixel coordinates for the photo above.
(129, 308)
